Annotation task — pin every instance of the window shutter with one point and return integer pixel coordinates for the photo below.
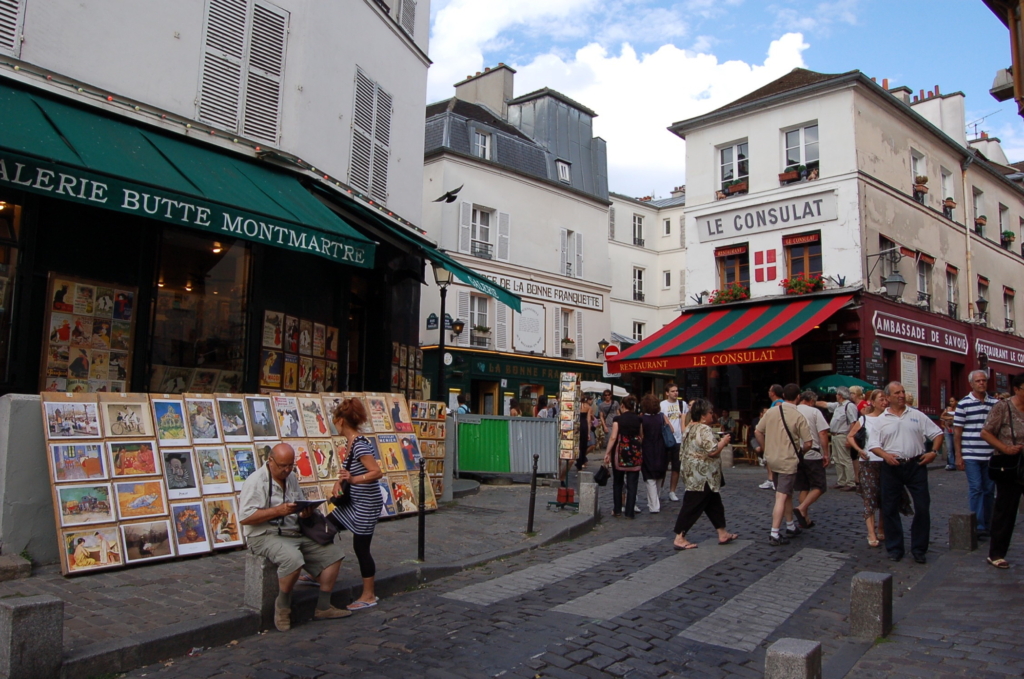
(463, 339)
(682, 232)
(12, 17)
(579, 256)
(611, 223)
(503, 236)
(362, 129)
(408, 18)
(557, 351)
(220, 85)
(501, 326)
(265, 73)
(579, 334)
(381, 146)
(564, 256)
(465, 225)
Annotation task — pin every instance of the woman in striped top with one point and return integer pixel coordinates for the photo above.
(360, 514)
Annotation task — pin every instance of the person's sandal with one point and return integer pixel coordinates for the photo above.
(998, 563)
(872, 543)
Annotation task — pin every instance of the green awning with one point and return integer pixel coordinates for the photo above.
(57, 149)
(462, 272)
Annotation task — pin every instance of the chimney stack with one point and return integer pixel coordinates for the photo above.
(885, 83)
(491, 88)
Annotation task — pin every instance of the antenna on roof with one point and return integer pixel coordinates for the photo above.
(975, 123)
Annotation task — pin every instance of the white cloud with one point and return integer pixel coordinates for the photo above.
(818, 19)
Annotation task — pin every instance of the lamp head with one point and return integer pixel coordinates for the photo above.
(894, 284)
(602, 345)
(458, 325)
(442, 275)
(981, 305)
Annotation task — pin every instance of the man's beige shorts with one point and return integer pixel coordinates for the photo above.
(292, 553)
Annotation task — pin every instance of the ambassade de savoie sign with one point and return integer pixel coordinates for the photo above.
(778, 214)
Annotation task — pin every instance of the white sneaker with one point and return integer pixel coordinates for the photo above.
(760, 461)
(637, 509)
(767, 485)
(673, 497)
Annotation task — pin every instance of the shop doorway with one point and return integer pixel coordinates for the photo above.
(485, 398)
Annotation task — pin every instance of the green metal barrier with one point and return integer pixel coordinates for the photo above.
(483, 444)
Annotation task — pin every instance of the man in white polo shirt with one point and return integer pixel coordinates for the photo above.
(972, 452)
(901, 435)
(675, 410)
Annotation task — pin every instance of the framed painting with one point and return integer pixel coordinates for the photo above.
(133, 458)
(325, 458)
(90, 549)
(305, 337)
(242, 459)
(305, 468)
(291, 334)
(147, 541)
(140, 499)
(391, 456)
(126, 416)
(233, 419)
(319, 340)
(71, 416)
(331, 403)
(202, 419)
(263, 450)
(180, 473)
(188, 521)
(400, 417)
(222, 520)
(311, 408)
(289, 420)
(78, 462)
(170, 421)
(81, 504)
(261, 417)
(411, 453)
(214, 470)
(378, 410)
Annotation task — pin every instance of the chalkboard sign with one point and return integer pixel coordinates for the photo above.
(848, 358)
(695, 383)
(875, 373)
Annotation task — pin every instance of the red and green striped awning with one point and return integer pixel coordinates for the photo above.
(753, 333)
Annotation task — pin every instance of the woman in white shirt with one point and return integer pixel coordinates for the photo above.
(870, 464)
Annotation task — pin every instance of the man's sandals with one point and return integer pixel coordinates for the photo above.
(998, 563)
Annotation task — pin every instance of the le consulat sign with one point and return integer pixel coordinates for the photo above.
(778, 214)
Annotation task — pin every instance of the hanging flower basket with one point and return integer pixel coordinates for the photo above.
(801, 285)
(732, 293)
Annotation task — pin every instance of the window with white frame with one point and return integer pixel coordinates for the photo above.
(667, 227)
(571, 258)
(564, 171)
(924, 280)
(888, 252)
(407, 16)
(1004, 220)
(478, 313)
(638, 230)
(638, 284)
(666, 280)
(1008, 315)
(480, 233)
(952, 290)
(371, 138)
(946, 180)
(734, 164)
(566, 324)
(978, 208)
(983, 292)
(638, 330)
(482, 145)
(802, 147)
(12, 16)
(917, 166)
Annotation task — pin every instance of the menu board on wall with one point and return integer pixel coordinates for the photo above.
(848, 358)
(88, 334)
(908, 376)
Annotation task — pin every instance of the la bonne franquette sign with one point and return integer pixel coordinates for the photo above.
(780, 214)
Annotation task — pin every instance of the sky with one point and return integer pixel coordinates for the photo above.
(644, 64)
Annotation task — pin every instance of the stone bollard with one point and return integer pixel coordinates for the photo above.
(588, 494)
(871, 605)
(963, 532)
(14, 567)
(31, 637)
(793, 659)
(261, 588)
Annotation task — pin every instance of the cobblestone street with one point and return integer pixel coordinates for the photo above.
(620, 601)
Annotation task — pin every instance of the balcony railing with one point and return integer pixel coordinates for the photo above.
(1009, 323)
(569, 352)
(638, 241)
(953, 309)
(638, 296)
(924, 300)
(479, 249)
(476, 340)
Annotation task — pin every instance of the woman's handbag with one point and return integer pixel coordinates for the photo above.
(318, 529)
(344, 496)
(601, 476)
(1009, 464)
(669, 434)
(861, 437)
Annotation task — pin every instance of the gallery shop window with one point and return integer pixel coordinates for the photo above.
(10, 227)
(571, 260)
(638, 330)
(802, 146)
(199, 333)
(638, 284)
(482, 145)
(564, 171)
(803, 254)
(638, 230)
(733, 266)
(734, 162)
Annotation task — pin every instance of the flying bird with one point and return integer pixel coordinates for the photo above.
(449, 197)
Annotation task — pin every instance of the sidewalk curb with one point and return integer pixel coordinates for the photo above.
(145, 648)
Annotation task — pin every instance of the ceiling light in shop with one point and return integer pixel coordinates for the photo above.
(217, 248)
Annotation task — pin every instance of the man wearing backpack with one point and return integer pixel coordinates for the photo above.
(842, 419)
(463, 408)
(783, 432)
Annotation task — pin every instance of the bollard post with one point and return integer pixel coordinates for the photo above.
(963, 532)
(793, 659)
(31, 637)
(422, 528)
(533, 493)
(871, 605)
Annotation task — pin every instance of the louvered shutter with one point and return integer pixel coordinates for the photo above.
(12, 17)
(611, 223)
(463, 339)
(504, 232)
(220, 85)
(361, 159)
(465, 225)
(563, 257)
(381, 146)
(408, 18)
(501, 326)
(579, 256)
(557, 351)
(579, 334)
(264, 78)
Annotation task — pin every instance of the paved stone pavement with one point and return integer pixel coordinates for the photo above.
(105, 607)
(951, 613)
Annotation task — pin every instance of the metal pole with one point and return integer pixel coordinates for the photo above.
(533, 493)
(422, 529)
(441, 396)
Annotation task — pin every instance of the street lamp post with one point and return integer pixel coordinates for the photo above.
(443, 277)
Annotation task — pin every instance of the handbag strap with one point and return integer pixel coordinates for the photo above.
(782, 414)
(1009, 415)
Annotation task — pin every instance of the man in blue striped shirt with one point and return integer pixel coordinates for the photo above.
(972, 452)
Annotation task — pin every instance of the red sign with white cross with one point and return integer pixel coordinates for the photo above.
(765, 268)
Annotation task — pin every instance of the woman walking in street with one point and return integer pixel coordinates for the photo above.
(360, 514)
(946, 422)
(624, 454)
(655, 457)
(1004, 431)
(702, 475)
(870, 464)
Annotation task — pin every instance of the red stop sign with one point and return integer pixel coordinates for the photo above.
(611, 352)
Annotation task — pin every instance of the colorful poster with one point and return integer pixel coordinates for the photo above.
(91, 549)
(290, 381)
(242, 459)
(127, 415)
(213, 467)
(291, 334)
(233, 419)
(388, 506)
(273, 329)
(147, 541)
(71, 419)
(104, 307)
(202, 420)
(305, 468)
(100, 333)
(261, 417)
(78, 461)
(306, 337)
(78, 505)
(85, 298)
(390, 453)
(124, 301)
(400, 417)
(319, 375)
(60, 329)
(169, 416)
(271, 369)
(313, 420)
(289, 421)
(180, 474)
(325, 458)
(305, 374)
(140, 499)
(332, 343)
(120, 335)
(133, 458)
(222, 518)
(189, 523)
(63, 296)
(401, 491)
(378, 409)
(319, 340)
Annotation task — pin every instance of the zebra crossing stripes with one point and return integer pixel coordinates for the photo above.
(535, 577)
(746, 620)
(651, 582)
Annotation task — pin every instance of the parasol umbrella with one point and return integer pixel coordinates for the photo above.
(829, 383)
